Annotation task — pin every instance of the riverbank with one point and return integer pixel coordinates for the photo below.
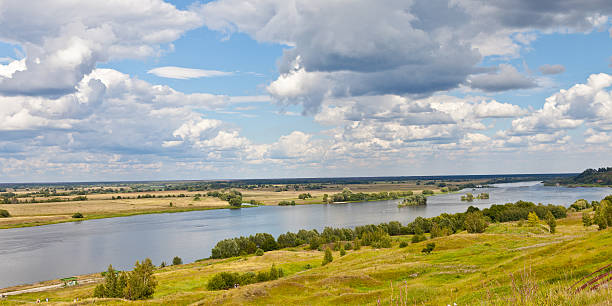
(488, 268)
(102, 206)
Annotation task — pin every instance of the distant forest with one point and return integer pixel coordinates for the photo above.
(311, 183)
(601, 176)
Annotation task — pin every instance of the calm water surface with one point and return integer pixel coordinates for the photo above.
(60, 250)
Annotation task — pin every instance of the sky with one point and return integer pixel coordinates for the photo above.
(158, 90)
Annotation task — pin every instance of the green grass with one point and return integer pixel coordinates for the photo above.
(466, 269)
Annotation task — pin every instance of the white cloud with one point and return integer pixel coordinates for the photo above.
(182, 73)
(363, 48)
(64, 41)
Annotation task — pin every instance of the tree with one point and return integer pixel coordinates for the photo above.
(140, 282)
(113, 286)
(325, 197)
(532, 219)
(475, 222)
(328, 257)
(586, 219)
(235, 201)
(552, 223)
(429, 248)
(77, 215)
(177, 261)
(4, 213)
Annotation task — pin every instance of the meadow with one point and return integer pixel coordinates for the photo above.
(510, 263)
(119, 204)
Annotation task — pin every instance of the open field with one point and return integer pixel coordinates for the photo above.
(106, 205)
(507, 265)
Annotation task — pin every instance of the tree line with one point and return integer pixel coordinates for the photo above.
(473, 220)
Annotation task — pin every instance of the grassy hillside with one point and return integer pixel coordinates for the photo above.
(508, 264)
(589, 177)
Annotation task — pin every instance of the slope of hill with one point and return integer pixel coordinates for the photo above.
(590, 177)
(508, 264)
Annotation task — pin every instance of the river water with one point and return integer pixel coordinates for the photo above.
(60, 250)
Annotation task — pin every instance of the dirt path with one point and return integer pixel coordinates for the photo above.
(45, 288)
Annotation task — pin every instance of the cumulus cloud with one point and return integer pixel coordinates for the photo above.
(506, 78)
(589, 104)
(362, 48)
(552, 69)
(64, 41)
(182, 73)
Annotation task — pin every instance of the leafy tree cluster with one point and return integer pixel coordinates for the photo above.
(244, 245)
(233, 197)
(304, 196)
(227, 280)
(427, 192)
(603, 213)
(582, 204)
(468, 197)
(4, 213)
(483, 196)
(520, 211)
(348, 196)
(414, 200)
(286, 203)
(138, 284)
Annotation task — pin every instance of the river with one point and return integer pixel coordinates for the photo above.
(34, 254)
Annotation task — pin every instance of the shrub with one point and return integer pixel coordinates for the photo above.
(533, 219)
(418, 238)
(356, 245)
(377, 239)
(342, 252)
(162, 264)
(4, 213)
(177, 261)
(552, 223)
(475, 222)
(586, 219)
(348, 246)
(427, 191)
(403, 244)
(225, 249)
(259, 252)
(223, 280)
(328, 257)
(429, 248)
(77, 215)
(113, 286)
(140, 282)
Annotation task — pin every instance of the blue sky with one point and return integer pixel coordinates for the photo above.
(145, 90)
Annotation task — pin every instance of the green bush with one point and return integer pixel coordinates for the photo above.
(177, 261)
(259, 252)
(328, 257)
(348, 246)
(586, 219)
(77, 215)
(227, 280)
(418, 238)
(552, 223)
(403, 244)
(140, 282)
(475, 222)
(342, 252)
(429, 248)
(4, 213)
(427, 191)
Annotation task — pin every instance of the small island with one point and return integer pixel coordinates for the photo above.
(414, 200)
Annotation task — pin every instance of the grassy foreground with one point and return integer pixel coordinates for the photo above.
(508, 264)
